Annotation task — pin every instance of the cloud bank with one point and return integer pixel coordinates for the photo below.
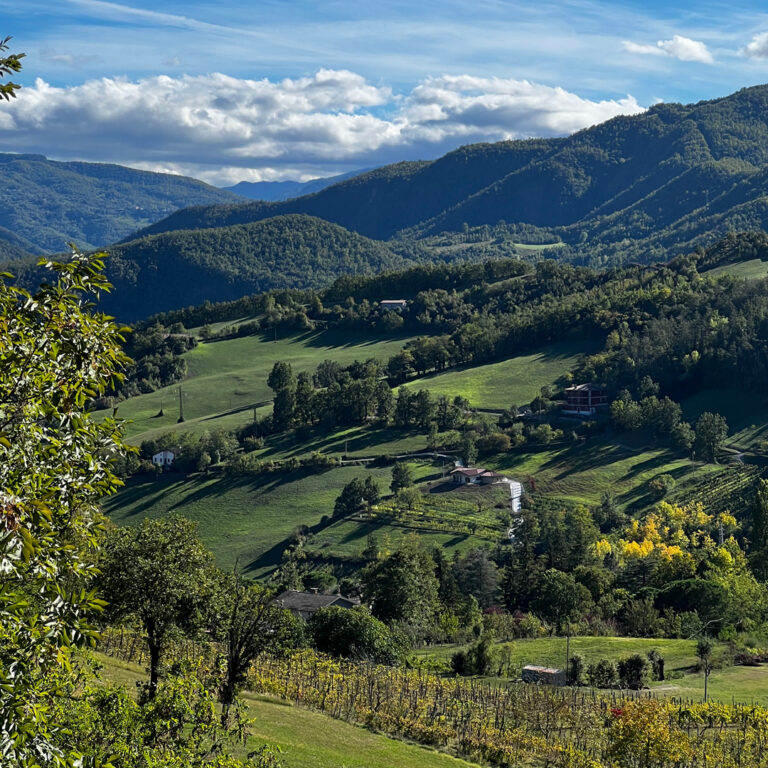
(758, 48)
(224, 129)
(679, 47)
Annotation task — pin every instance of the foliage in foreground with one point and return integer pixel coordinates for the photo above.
(54, 467)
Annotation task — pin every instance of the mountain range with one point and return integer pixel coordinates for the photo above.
(642, 188)
(45, 204)
(666, 180)
(275, 191)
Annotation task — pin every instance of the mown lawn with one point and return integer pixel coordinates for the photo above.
(740, 684)
(228, 378)
(516, 380)
(551, 651)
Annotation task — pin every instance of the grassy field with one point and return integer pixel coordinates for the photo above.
(248, 518)
(310, 739)
(748, 270)
(355, 442)
(745, 412)
(517, 380)
(228, 378)
(741, 684)
(581, 473)
(551, 651)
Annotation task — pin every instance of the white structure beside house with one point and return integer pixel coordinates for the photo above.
(164, 459)
(393, 303)
(479, 476)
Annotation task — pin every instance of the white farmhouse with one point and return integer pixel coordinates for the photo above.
(164, 459)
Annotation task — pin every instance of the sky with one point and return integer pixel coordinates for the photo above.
(231, 90)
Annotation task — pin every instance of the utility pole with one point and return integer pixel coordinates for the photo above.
(181, 408)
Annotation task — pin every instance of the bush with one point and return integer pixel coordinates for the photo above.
(634, 672)
(603, 674)
(657, 664)
(660, 486)
(576, 670)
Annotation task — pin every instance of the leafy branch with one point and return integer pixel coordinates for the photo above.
(8, 65)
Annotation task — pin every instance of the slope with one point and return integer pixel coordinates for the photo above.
(674, 176)
(179, 269)
(48, 203)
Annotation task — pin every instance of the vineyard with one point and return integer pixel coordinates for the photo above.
(728, 491)
(521, 725)
(482, 512)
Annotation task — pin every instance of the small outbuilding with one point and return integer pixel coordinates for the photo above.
(543, 675)
(393, 303)
(164, 459)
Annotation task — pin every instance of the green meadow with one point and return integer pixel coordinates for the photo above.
(581, 473)
(747, 270)
(516, 380)
(248, 518)
(745, 412)
(228, 378)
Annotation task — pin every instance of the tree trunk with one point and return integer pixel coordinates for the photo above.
(154, 665)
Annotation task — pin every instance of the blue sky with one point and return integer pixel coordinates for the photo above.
(276, 89)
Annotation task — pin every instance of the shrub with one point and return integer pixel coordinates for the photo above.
(657, 664)
(603, 674)
(576, 670)
(634, 672)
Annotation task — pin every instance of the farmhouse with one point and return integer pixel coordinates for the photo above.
(164, 459)
(543, 675)
(478, 476)
(393, 303)
(466, 475)
(306, 604)
(585, 399)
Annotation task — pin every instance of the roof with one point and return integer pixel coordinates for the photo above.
(583, 387)
(309, 602)
(393, 301)
(543, 670)
(468, 471)
(490, 473)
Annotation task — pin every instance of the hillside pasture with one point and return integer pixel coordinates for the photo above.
(747, 270)
(248, 518)
(228, 378)
(745, 412)
(517, 380)
(580, 473)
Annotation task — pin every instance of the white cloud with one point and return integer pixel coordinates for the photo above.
(679, 47)
(758, 48)
(222, 128)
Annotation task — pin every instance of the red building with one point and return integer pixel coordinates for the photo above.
(585, 399)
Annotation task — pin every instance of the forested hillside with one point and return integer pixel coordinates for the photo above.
(179, 269)
(628, 189)
(46, 204)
